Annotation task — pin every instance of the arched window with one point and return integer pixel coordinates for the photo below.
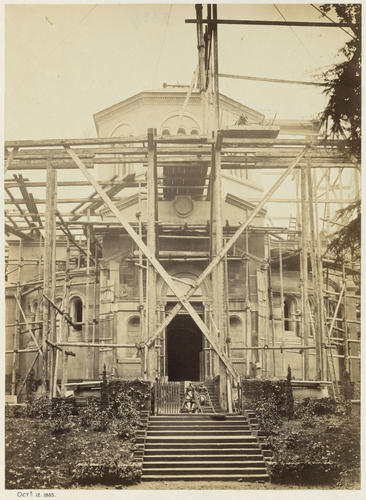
(181, 124)
(76, 312)
(133, 335)
(289, 312)
(165, 131)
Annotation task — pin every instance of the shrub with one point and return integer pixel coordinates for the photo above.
(107, 472)
(60, 416)
(15, 411)
(40, 407)
(123, 428)
(93, 416)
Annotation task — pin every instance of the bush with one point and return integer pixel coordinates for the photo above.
(40, 407)
(308, 408)
(15, 411)
(60, 416)
(319, 445)
(271, 401)
(123, 428)
(118, 408)
(316, 448)
(94, 416)
(107, 472)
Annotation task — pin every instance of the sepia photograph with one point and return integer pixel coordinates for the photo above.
(182, 248)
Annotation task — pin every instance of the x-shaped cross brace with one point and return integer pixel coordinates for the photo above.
(184, 299)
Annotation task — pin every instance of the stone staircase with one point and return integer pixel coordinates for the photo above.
(202, 447)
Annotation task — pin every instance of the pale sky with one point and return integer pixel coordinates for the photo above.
(65, 62)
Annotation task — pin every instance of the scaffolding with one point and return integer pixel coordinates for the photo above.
(37, 212)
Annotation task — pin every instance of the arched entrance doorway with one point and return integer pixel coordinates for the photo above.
(183, 347)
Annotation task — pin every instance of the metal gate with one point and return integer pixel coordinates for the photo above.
(167, 397)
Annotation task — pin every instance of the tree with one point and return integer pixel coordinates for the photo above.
(346, 243)
(342, 115)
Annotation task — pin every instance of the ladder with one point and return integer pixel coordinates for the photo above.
(292, 225)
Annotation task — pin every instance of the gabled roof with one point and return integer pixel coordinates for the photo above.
(176, 93)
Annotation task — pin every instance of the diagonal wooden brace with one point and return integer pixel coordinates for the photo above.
(154, 262)
(27, 325)
(228, 245)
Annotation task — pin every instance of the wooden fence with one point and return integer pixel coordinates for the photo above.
(167, 398)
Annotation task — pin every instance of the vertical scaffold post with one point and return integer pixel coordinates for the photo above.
(248, 319)
(217, 245)
(282, 312)
(271, 312)
(215, 67)
(49, 256)
(141, 289)
(65, 325)
(304, 273)
(151, 178)
(16, 328)
(316, 277)
(89, 369)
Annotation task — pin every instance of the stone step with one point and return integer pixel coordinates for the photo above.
(196, 471)
(199, 438)
(206, 477)
(218, 458)
(200, 432)
(195, 451)
(208, 417)
(199, 445)
(203, 426)
(202, 464)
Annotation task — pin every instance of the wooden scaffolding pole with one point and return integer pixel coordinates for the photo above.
(315, 278)
(65, 324)
(16, 329)
(282, 314)
(141, 290)
(304, 272)
(87, 302)
(215, 68)
(218, 243)
(49, 268)
(248, 319)
(271, 312)
(151, 178)
(347, 362)
(319, 262)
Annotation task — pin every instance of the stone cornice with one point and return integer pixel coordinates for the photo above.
(240, 203)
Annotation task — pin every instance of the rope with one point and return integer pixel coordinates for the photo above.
(330, 19)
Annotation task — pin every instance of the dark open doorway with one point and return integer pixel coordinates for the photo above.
(184, 344)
